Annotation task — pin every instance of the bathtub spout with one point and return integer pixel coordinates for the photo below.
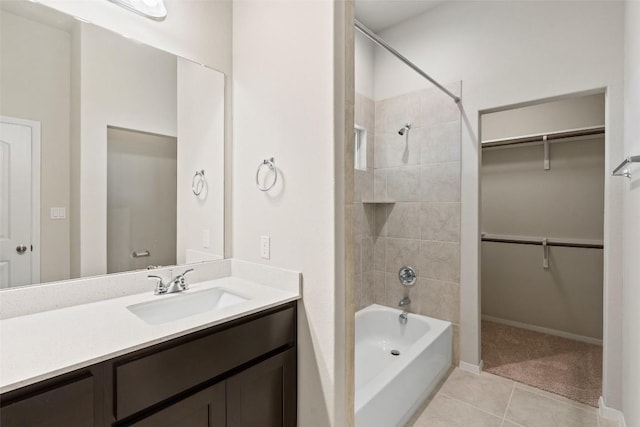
(403, 318)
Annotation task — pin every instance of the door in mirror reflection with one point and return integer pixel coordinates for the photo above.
(19, 218)
(141, 200)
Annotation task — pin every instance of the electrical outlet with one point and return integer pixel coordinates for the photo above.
(206, 239)
(265, 247)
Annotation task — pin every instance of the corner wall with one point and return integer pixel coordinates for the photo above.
(284, 107)
(631, 222)
(507, 54)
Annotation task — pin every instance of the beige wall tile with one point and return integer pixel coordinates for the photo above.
(379, 287)
(440, 261)
(440, 222)
(400, 253)
(439, 299)
(403, 184)
(357, 256)
(382, 212)
(399, 150)
(455, 353)
(440, 182)
(441, 143)
(367, 254)
(379, 253)
(436, 107)
(391, 113)
(404, 220)
(380, 184)
(395, 292)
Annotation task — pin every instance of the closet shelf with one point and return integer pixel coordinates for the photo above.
(550, 241)
(541, 137)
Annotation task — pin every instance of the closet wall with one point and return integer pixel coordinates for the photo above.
(520, 198)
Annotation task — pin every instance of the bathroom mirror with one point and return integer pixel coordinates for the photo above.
(111, 151)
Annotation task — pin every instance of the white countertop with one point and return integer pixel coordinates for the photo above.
(39, 346)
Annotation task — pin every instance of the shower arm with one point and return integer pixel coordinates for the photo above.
(380, 42)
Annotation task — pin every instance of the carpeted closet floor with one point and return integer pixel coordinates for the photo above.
(562, 366)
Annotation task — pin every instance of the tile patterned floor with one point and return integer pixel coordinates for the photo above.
(486, 400)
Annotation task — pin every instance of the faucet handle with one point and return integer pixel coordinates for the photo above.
(161, 288)
(183, 284)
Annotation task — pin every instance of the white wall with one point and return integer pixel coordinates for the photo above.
(508, 53)
(198, 30)
(35, 73)
(200, 147)
(283, 107)
(364, 62)
(564, 114)
(126, 85)
(631, 307)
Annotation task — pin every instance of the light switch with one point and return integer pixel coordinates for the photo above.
(58, 213)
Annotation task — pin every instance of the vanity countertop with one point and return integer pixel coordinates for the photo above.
(39, 346)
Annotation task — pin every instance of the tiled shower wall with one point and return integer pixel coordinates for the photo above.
(419, 177)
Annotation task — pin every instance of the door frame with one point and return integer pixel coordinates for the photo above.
(612, 282)
(35, 190)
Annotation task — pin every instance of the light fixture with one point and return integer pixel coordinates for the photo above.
(154, 9)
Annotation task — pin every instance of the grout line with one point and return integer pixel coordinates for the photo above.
(467, 404)
(506, 410)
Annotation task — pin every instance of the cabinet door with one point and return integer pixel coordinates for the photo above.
(264, 395)
(203, 409)
(66, 405)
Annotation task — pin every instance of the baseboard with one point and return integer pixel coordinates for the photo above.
(562, 334)
(470, 367)
(613, 414)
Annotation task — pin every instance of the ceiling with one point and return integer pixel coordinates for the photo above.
(378, 15)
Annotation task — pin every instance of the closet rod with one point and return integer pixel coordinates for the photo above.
(551, 136)
(538, 242)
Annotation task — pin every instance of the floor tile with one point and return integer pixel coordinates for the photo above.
(508, 423)
(444, 411)
(563, 399)
(486, 392)
(606, 422)
(535, 410)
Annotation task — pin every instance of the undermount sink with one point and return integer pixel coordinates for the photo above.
(178, 306)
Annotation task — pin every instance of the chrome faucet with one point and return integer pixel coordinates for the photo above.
(404, 316)
(177, 284)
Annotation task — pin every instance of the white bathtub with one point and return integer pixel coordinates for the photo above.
(390, 388)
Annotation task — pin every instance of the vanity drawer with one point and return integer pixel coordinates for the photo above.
(69, 404)
(153, 378)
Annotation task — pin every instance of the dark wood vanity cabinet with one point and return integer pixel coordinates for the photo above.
(240, 374)
(66, 403)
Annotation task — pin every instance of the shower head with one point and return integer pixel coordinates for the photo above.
(404, 129)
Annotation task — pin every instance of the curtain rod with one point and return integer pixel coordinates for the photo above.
(380, 42)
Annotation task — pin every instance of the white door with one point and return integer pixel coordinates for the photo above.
(19, 147)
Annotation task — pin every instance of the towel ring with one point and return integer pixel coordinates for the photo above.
(197, 183)
(272, 166)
